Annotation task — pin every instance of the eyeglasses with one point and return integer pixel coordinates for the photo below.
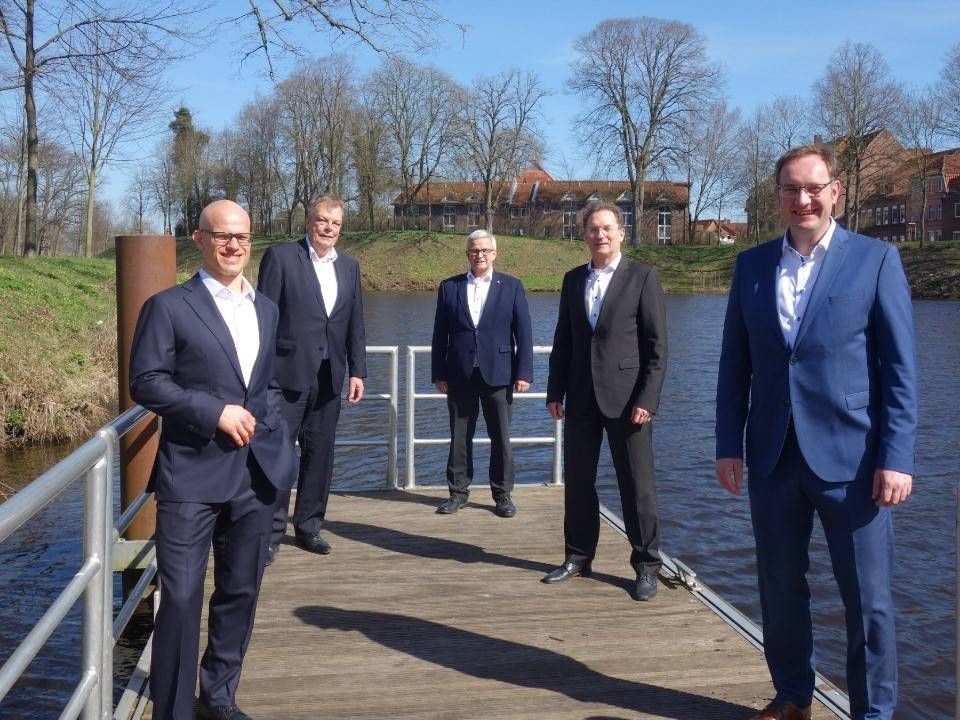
(224, 238)
(813, 190)
(477, 252)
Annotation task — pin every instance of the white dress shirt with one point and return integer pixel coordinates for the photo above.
(240, 316)
(596, 288)
(796, 276)
(326, 276)
(477, 290)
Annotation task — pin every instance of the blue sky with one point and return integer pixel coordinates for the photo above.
(766, 49)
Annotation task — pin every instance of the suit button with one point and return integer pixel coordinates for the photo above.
(794, 359)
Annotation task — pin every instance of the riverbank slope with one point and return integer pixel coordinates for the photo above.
(58, 320)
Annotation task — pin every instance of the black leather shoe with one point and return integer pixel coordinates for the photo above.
(220, 712)
(313, 543)
(272, 550)
(646, 587)
(505, 507)
(566, 571)
(452, 504)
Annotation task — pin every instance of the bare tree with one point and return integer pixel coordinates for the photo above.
(386, 26)
(113, 99)
(59, 199)
(708, 152)
(787, 123)
(950, 93)
(920, 125)
(369, 143)
(756, 174)
(163, 187)
(419, 105)
(137, 198)
(191, 169)
(856, 98)
(498, 130)
(42, 41)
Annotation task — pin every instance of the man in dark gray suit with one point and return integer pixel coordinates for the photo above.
(606, 370)
(320, 340)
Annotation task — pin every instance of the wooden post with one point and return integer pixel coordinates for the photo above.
(146, 264)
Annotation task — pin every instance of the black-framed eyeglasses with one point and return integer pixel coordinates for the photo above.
(224, 238)
(477, 252)
(812, 189)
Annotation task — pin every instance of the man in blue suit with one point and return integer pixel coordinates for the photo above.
(818, 365)
(482, 352)
(202, 359)
(320, 342)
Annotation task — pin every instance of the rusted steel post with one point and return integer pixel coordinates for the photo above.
(146, 264)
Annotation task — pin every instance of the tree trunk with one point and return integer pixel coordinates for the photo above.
(30, 112)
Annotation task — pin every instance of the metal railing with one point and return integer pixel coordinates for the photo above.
(93, 461)
(410, 480)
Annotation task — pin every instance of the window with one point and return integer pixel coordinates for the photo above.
(877, 216)
(956, 210)
(956, 234)
(449, 217)
(895, 215)
(930, 235)
(903, 212)
(473, 216)
(664, 222)
(569, 230)
(627, 222)
(931, 213)
(519, 211)
(886, 215)
(548, 208)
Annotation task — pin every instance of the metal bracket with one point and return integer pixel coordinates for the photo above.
(686, 576)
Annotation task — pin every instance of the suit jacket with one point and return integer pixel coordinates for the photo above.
(849, 382)
(184, 367)
(623, 361)
(307, 332)
(502, 342)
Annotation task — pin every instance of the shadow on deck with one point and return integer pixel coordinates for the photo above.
(419, 615)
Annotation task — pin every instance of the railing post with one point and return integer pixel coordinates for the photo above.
(557, 478)
(94, 546)
(111, 458)
(392, 480)
(410, 479)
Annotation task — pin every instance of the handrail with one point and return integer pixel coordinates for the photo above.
(413, 441)
(92, 697)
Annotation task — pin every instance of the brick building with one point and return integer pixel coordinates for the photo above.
(536, 204)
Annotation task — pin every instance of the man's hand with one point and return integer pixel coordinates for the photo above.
(441, 386)
(556, 410)
(521, 386)
(237, 423)
(891, 487)
(640, 416)
(730, 474)
(355, 391)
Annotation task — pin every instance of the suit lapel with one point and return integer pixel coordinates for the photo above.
(765, 288)
(311, 273)
(462, 300)
(200, 300)
(262, 324)
(493, 296)
(610, 296)
(340, 272)
(578, 301)
(832, 263)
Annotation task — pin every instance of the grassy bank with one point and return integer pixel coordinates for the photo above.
(58, 326)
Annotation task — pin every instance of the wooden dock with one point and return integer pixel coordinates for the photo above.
(419, 615)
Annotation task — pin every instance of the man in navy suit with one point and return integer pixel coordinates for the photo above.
(320, 340)
(202, 359)
(482, 352)
(818, 365)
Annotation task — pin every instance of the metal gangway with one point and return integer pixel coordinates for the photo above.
(105, 551)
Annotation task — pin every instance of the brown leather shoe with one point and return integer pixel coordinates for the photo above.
(777, 710)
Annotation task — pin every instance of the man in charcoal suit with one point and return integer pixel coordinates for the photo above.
(607, 368)
(320, 340)
(482, 351)
(202, 359)
(818, 366)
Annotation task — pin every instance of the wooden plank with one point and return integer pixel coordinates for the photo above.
(419, 615)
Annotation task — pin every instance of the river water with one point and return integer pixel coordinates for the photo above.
(701, 524)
